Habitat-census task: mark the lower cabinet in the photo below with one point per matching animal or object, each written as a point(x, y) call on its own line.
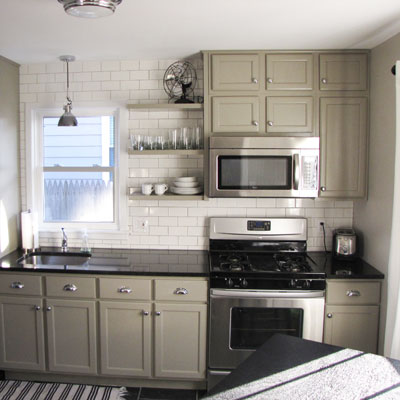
point(352, 314)
point(21, 333)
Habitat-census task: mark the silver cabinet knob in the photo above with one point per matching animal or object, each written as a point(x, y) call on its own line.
point(254, 80)
point(353, 293)
point(70, 287)
point(323, 189)
point(269, 80)
point(324, 80)
point(145, 312)
point(181, 291)
point(48, 308)
point(255, 123)
point(329, 315)
point(38, 308)
point(124, 289)
point(158, 312)
point(270, 123)
point(17, 285)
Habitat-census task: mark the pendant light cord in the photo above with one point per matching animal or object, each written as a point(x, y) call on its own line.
point(68, 99)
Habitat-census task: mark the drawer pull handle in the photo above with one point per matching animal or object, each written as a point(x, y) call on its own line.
point(17, 285)
point(353, 293)
point(329, 315)
point(270, 123)
point(324, 80)
point(254, 80)
point(269, 80)
point(181, 291)
point(145, 312)
point(255, 123)
point(158, 313)
point(38, 308)
point(48, 308)
point(70, 288)
point(124, 289)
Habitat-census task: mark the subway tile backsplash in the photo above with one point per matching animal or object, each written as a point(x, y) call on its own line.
point(169, 224)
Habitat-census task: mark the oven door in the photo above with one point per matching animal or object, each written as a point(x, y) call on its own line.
point(263, 173)
point(241, 321)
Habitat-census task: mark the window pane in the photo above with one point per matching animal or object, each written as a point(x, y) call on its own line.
point(90, 143)
point(78, 196)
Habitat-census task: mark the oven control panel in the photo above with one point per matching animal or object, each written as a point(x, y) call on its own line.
point(258, 225)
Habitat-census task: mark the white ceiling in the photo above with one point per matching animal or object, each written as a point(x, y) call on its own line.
point(33, 31)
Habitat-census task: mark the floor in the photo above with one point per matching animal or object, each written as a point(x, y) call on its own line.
point(162, 394)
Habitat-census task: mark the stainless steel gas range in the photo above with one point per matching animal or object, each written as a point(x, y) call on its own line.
point(262, 281)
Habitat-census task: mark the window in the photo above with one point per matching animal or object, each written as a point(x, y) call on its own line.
point(75, 170)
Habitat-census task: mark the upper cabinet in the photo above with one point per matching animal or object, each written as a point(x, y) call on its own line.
point(343, 71)
point(235, 72)
point(289, 71)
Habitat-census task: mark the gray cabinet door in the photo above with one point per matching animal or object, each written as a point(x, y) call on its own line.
point(343, 72)
point(125, 338)
point(289, 71)
point(235, 114)
point(21, 334)
point(343, 133)
point(71, 334)
point(235, 72)
point(355, 327)
point(289, 115)
point(180, 340)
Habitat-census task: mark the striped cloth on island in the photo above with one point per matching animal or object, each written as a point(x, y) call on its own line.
point(27, 390)
point(344, 375)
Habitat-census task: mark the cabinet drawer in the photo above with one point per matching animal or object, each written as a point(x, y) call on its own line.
point(353, 292)
point(125, 288)
point(70, 286)
point(27, 285)
point(180, 290)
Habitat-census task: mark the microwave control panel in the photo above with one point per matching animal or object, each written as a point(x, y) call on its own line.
point(309, 172)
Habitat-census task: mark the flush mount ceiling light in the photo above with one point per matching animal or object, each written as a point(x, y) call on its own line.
point(67, 119)
point(90, 8)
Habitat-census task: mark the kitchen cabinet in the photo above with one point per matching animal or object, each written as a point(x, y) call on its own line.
point(346, 71)
point(352, 314)
point(343, 147)
point(289, 71)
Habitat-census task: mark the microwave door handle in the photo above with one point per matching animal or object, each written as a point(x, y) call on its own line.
point(296, 171)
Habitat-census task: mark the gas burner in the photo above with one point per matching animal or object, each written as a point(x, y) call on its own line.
point(291, 263)
point(234, 262)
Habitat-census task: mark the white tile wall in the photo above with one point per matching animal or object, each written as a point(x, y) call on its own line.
point(171, 224)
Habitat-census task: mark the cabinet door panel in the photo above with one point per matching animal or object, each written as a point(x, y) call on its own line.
point(21, 334)
point(125, 338)
point(235, 72)
point(235, 114)
point(289, 114)
point(180, 340)
point(343, 147)
point(343, 72)
point(355, 327)
point(289, 71)
point(71, 331)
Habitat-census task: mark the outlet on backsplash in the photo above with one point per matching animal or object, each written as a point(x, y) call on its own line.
point(140, 225)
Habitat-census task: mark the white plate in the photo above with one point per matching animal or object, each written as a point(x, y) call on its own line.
point(186, 184)
point(186, 179)
point(180, 190)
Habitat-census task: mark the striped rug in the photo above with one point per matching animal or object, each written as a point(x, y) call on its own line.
point(24, 390)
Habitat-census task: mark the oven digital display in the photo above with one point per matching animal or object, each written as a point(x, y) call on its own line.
point(258, 225)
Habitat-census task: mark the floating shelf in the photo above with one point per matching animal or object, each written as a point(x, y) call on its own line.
point(165, 106)
point(166, 196)
point(166, 152)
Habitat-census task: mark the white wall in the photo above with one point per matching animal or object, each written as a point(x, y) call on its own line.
point(9, 156)
point(373, 216)
point(172, 224)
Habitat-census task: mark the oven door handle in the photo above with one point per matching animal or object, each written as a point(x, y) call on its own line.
point(291, 294)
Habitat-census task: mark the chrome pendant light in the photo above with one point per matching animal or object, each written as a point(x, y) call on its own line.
point(67, 119)
point(90, 8)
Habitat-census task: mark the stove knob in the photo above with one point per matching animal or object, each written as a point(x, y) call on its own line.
point(229, 282)
point(244, 283)
point(306, 284)
point(293, 283)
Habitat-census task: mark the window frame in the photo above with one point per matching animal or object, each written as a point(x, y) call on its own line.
point(35, 169)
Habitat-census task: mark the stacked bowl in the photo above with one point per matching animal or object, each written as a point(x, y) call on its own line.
point(187, 185)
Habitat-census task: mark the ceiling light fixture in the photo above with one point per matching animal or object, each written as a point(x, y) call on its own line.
point(67, 119)
point(90, 8)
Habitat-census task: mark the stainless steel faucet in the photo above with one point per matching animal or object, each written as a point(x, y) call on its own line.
point(64, 242)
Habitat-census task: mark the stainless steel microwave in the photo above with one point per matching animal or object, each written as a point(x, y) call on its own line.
point(263, 166)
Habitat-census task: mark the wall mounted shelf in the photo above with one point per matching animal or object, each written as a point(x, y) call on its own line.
point(166, 107)
point(166, 152)
point(166, 196)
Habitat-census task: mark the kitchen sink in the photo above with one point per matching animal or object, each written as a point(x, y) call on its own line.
point(55, 258)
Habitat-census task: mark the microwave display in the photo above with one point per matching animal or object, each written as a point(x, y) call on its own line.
point(254, 172)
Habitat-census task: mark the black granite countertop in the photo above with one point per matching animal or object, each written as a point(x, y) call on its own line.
point(345, 269)
point(122, 262)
